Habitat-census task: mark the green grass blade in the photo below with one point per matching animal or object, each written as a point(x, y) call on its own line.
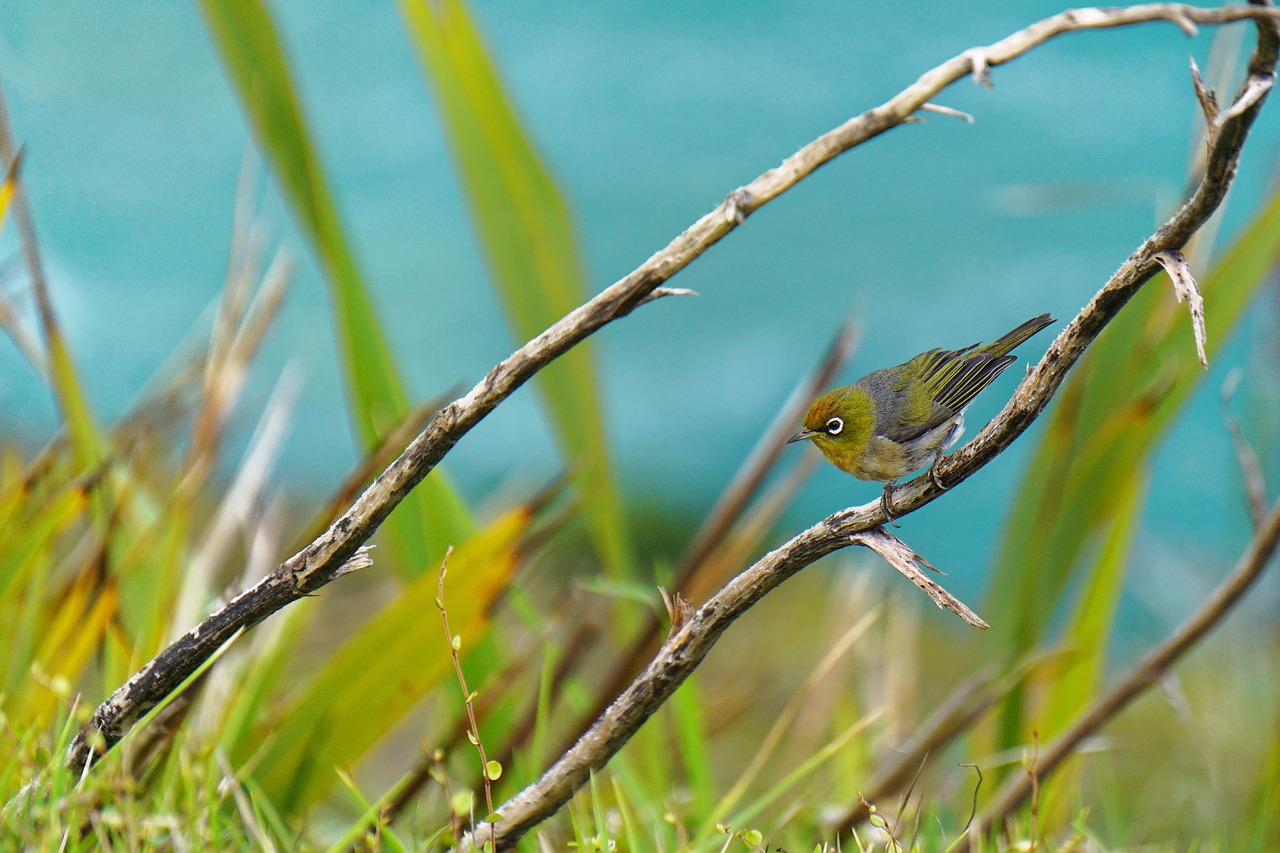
point(525, 229)
point(1111, 414)
point(87, 442)
point(690, 735)
point(253, 54)
point(1086, 638)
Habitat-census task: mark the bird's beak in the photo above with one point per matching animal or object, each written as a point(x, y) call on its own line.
point(802, 435)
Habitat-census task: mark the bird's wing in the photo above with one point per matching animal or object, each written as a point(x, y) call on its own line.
point(955, 378)
point(903, 434)
point(904, 415)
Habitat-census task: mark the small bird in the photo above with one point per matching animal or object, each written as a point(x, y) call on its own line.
point(897, 420)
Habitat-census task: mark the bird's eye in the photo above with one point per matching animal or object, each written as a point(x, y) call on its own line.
point(834, 426)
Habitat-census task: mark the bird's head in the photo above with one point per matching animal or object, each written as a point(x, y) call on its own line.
point(840, 423)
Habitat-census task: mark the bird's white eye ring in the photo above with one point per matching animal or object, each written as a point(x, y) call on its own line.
point(834, 426)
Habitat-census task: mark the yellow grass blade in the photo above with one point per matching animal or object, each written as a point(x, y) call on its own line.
point(384, 670)
point(67, 645)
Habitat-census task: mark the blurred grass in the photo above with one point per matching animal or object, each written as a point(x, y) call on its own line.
point(110, 543)
point(524, 226)
point(1083, 486)
point(434, 517)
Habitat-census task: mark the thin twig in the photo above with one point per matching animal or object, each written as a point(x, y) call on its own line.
point(973, 810)
point(948, 111)
point(900, 555)
point(455, 644)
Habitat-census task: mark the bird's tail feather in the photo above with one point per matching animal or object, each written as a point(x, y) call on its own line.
point(1008, 341)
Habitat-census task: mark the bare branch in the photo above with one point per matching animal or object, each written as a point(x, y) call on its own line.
point(899, 555)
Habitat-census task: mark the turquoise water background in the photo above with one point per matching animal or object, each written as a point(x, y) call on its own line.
point(936, 234)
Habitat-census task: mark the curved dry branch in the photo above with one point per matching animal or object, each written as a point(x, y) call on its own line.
point(1252, 564)
point(685, 648)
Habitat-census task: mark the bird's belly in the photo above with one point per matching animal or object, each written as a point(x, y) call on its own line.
point(885, 459)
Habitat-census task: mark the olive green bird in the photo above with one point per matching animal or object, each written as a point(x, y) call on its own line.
point(899, 419)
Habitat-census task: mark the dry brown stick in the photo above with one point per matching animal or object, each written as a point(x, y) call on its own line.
point(686, 648)
point(1148, 672)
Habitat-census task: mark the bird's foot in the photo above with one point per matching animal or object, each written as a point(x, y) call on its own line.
point(886, 504)
point(933, 475)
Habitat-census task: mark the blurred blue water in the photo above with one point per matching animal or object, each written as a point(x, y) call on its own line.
point(649, 114)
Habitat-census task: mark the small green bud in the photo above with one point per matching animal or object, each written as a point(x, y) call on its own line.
point(493, 770)
point(753, 837)
point(461, 802)
point(456, 642)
